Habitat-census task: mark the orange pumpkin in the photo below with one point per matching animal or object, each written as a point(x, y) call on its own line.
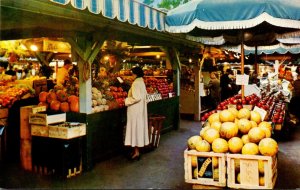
point(51, 96)
point(43, 96)
point(73, 98)
point(64, 107)
point(74, 105)
point(55, 105)
point(62, 95)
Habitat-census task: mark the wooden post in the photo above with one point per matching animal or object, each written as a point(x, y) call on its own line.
point(242, 63)
point(197, 106)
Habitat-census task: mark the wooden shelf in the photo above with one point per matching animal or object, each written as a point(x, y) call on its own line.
point(157, 76)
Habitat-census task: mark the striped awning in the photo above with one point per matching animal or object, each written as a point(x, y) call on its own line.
point(129, 11)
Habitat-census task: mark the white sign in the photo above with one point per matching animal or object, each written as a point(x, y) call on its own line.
point(120, 80)
point(251, 89)
point(242, 79)
point(261, 112)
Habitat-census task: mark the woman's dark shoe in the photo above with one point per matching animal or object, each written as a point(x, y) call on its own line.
point(135, 158)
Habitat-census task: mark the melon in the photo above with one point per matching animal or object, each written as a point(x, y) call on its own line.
point(213, 117)
point(265, 124)
point(244, 125)
point(216, 125)
point(261, 181)
point(255, 116)
point(216, 174)
point(261, 168)
point(256, 134)
point(267, 131)
point(195, 173)
point(238, 178)
point(268, 147)
point(250, 148)
point(245, 139)
point(220, 145)
point(194, 161)
point(203, 130)
point(192, 141)
point(229, 130)
point(210, 135)
point(234, 111)
point(215, 162)
point(226, 116)
point(244, 113)
point(253, 124)
point(235, 145)
point(203, 146)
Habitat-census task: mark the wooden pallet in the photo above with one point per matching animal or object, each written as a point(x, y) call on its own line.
point(248, 167)
point(197, 164)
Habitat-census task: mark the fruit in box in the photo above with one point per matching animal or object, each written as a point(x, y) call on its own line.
point(226, 116)
point(55, 105)
point(256, 134)
point(250, 149)
point(268, 147)
point(244, 125)
point(244, 113)
point(235, 145)
point(43, 96)
point(203, 146)
point(211, 134)
point(51, 96)
point(192, 141)
point(64, 107)
point(220, 145)
point(228, 130)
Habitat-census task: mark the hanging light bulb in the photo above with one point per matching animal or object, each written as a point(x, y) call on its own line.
point(33, 47)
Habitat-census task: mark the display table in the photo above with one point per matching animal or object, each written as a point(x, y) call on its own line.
point(105, 129)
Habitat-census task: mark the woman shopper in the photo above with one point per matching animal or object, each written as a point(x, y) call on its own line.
point(137, 134)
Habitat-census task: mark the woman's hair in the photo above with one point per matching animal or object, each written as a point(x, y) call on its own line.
point(138, 71)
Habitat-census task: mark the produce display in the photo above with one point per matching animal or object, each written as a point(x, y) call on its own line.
point(235, 132)
point(58, 100)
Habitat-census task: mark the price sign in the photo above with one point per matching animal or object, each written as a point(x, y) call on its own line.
point(120, 80)
point(242, 79)
point(261, 112)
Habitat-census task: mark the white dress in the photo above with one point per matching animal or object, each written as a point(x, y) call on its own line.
point(137, 118)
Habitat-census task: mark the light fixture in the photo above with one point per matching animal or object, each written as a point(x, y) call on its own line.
point(190, 60)
point(106, 58)
point(33, 48)
point(157, 56)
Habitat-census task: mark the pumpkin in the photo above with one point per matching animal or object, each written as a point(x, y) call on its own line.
point(244, 125)
point(74, 106)
point(64, 107)
point(61, 95)
point(265, 124)
point(245, 139)
point(250, 148)
point(216, 125)
point(255, 116)
point(220, 145)
point(55, 105)
point(51, 96)
point(229, 130)
point(192, 141)
point(268, 147)
point(244, 113)
point(43, 96)
point(73, 98)
point(210, 135)
point(235, 145)
point(256, 134)
point(203, 146)
point(226, 116)
point(213, 117)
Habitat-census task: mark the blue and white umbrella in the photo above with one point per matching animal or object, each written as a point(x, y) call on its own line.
point(252, 22)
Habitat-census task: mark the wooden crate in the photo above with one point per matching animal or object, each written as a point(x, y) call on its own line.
point(63, 132)
point(40, 130)
point(3, 112)
point(248, 167)
point(45, 119)
point(39, 86)
point(202, 163)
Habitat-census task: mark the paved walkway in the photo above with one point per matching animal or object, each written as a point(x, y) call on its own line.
point(159, 169)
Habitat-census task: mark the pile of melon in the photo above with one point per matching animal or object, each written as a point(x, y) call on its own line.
point(235, 131)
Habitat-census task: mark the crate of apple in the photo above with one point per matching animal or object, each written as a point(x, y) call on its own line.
point(237, 102)
point(278, 113)
point(119, 95)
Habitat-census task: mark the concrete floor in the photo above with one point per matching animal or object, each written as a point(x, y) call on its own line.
point(159, 169)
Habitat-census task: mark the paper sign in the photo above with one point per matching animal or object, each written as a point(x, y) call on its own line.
point(242, 79)
point(261, 112)
point(252, 89)
point(120, 80)
point(201, 89)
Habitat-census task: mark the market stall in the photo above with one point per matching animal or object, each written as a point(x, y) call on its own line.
point(86, 31)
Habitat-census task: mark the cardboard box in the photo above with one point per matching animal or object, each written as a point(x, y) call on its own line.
point(198, 164)
point(67, 130)
point(44, 119)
